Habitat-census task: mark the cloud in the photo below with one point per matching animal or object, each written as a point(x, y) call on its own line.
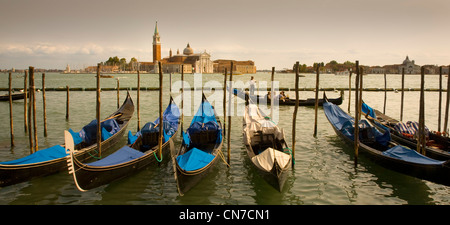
point(46, 49)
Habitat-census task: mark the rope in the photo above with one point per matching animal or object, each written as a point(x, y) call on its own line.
point(223, 157)
point(290, 152)
point(93, 156)
point(156, 157)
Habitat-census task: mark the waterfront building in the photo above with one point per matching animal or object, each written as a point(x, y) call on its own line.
point(193, 62)
point(409, 66)
point(238, 66)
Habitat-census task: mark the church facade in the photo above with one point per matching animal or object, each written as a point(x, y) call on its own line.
point(409, 66)
point(188, 61)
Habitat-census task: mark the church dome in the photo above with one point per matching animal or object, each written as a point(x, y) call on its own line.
point(188, 50)
point(406, 61)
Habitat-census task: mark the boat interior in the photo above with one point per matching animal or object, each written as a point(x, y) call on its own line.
point(205, 140)
point(261, 141)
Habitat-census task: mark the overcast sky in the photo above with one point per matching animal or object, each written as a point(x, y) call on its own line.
point(54, 33)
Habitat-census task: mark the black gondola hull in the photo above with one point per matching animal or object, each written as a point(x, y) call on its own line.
point(189, 179)
point(88, 177)
point(291, 102)
point(14, 174)
point(435, 173)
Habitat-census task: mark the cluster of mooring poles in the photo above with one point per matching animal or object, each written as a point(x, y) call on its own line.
point(30, 105)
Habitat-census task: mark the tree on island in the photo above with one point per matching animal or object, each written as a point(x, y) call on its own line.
point(122, 63)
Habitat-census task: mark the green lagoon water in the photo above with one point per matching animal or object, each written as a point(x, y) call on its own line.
point(324, 173)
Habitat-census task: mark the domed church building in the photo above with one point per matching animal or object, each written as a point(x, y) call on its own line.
point(196, 62)
point(409, 66)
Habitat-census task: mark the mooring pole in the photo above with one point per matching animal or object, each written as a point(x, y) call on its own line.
point(33, 90)
point(25, 102)
point(440, 99)
point(225, 101)
point(118, 92)
point(421, 136)
point(317, 100)
point(356, 125)
point(447, 103)
point(272, 91)
point(67, 102)
point(138, 100)
point(349, 88)
point(10, 109)
point(403, 94)
point(182, 97)
point(229, 116)
point(161, 122)
point(30, 107)
point(294, 120)
point(99, 130)
point(44, 104)
point(385, 93)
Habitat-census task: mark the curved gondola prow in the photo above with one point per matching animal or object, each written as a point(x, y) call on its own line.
point(325, 98)
point(70, 149)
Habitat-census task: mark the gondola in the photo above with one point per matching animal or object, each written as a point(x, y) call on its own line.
point(14, 96)
point(266, 146)
point(288, 101)
point(52, 160)
point(141, 152)
point(438, 147)
point(200, 147)
point(378, 147)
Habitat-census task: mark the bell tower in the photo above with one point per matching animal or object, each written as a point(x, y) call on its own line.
point(156, 45)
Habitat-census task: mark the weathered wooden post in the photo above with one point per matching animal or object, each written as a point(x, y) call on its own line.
point(272, 91)
point(385, 93)
point(161, 122)
point(403, 94)
point(99, 129)
point(225, 101)
point(25, 100)
point(349, 88)
point(118, 92)
point(30, 107)
point(11, 110)
point(138, 100)
point(44, 105)
point(447, 103)
point(294, 120)
point(33, 91)
point(67, 102)
point(421, 131)
point(356, 125)
point(182, 97)
point(440, 99)
point(317, 100)
point(229, 116)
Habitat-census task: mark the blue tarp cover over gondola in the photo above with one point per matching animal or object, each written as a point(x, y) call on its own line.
point(204, 119)
point(344, 122)
point(122, 155)
point(409, 155)
point(194, 159)
point(171, 117)
point(88, 133)
point(47, 154)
